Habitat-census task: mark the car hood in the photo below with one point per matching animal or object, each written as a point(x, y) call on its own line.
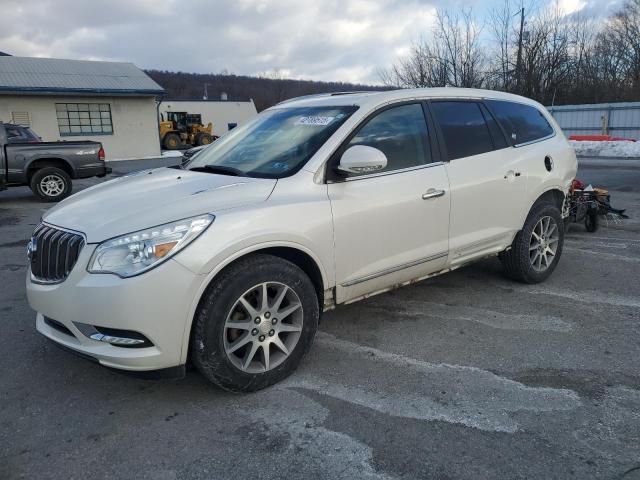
point(153, 197)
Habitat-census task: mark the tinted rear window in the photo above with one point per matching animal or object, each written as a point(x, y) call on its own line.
point(19, 134)
point(499, 141)
point(522, 123)
point(463, 127)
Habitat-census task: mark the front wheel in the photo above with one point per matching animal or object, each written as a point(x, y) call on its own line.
point(536, 250)
point(254, 324)
point(203, 139)
point(51, 184)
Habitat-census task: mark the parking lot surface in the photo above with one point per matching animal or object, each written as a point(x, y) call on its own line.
point(467, 375)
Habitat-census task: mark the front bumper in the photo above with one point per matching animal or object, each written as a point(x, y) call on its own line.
point(156, 304)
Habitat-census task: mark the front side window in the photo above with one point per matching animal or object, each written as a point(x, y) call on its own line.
point(276, 144)
point(400, 133)
point(84, 119)
point(523, 123)
point(463, 127)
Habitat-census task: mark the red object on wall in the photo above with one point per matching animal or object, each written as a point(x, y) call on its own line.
point(600, 138)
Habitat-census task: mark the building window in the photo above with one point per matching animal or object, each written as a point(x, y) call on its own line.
point(84, 119)
point(21, 118)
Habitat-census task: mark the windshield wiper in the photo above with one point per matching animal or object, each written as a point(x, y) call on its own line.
point(221, 169)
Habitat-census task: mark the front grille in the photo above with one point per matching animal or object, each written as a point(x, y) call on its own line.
point(53, 253)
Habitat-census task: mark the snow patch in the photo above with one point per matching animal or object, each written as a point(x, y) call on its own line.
point(170, 153)
point(622, 149)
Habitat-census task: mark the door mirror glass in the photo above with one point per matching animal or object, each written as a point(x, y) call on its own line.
point(361, 159)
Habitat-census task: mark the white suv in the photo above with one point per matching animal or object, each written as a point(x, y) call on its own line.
point(230, 259)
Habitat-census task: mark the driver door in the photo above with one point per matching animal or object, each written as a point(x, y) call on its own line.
point(392, 226)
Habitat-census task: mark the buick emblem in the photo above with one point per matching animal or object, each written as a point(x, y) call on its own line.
point(32, 248)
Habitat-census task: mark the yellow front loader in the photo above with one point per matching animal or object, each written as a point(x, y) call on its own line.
point(183, 129)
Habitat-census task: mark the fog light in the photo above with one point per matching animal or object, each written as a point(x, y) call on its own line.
point(114, 336)
point(116, 340)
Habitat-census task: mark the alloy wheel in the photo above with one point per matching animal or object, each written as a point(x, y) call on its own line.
point(263, 327)
point(52, 185)
point(543, 244)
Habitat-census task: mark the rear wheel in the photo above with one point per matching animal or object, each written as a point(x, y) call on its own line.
point(591, 221)
point(51, 184)
point(254, 324)
point(171, 141)
point(536, 250)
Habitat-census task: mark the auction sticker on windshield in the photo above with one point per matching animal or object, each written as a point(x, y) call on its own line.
point(315, 120)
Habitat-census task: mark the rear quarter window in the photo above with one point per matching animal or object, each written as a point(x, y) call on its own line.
point(522, 123)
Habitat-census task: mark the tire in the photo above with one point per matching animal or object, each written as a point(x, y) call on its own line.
point(223, 354)
point(171, 141)
point(203, 139)
point(524, 264)
point(51, 184)
point(591, 221)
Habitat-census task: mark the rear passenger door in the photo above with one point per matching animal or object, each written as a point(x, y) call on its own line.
point(530, 134)
point(486, 182)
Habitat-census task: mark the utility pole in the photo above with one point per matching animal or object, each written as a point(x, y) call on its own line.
point(519, 61)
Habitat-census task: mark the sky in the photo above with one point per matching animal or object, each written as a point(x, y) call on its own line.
point(331, 40)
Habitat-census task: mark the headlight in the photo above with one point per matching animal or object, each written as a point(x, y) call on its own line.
point(140, 251)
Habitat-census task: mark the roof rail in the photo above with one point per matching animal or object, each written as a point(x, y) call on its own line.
point(303, 96)
point(352, 92)
point(328, 94)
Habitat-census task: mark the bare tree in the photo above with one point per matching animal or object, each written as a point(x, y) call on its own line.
point(623, 34)
point(501, 73)
point(564, 57)
point(451, 56)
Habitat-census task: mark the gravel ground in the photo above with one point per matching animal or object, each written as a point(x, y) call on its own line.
point(467, 375)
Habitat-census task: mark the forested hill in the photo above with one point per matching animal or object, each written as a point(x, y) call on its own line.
point(264, 91)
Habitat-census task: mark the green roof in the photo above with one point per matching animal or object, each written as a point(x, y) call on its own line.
point(28, 75)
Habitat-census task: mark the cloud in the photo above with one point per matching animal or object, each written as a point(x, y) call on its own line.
point(326, 40)
point(344, 40)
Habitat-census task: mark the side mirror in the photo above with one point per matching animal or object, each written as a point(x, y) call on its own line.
point(362, 159)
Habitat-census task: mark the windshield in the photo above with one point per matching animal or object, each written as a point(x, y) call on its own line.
point(275, 144)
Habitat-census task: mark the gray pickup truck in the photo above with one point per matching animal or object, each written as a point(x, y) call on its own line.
point(46, 167)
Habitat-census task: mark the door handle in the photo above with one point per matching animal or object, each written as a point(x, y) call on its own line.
point(432, 193)
point(511, 173)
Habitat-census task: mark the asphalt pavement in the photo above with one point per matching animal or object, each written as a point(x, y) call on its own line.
point(463, 376)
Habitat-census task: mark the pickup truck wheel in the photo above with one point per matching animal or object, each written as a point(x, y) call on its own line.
point(536, 250)
point(254, 324)
point(51, 184)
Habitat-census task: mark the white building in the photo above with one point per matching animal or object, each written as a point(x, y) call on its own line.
point(223, 114)
point(112, 103)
